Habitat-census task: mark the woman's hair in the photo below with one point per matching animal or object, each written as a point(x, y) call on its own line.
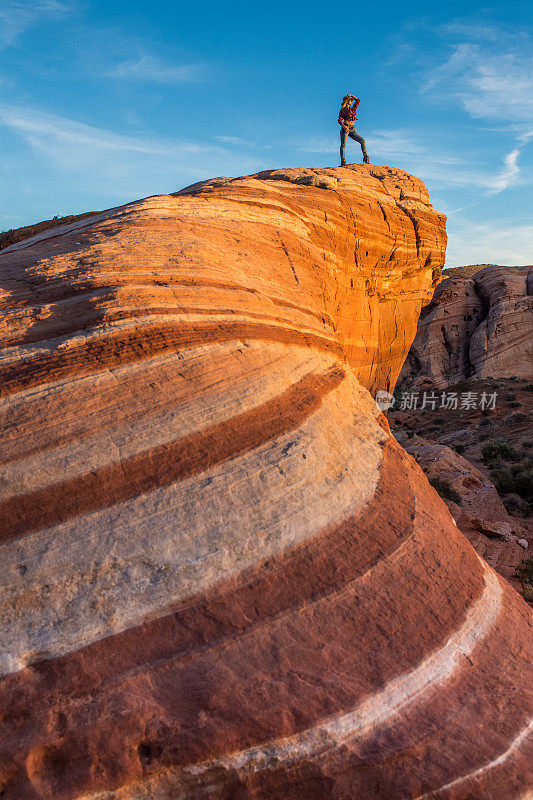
point(346, 100)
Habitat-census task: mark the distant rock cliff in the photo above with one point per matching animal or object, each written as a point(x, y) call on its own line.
point(221, 576)
point(476, 326)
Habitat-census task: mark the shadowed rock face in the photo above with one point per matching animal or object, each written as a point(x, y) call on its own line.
point(222, 577)
point(476, 326)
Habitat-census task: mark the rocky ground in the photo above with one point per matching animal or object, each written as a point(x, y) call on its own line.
point(474, 339)
point(449, 444)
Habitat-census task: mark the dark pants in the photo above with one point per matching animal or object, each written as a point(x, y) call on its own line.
point(355, 136)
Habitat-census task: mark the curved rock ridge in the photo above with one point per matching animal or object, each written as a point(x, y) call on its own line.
point(338, 257)
point(221, 576)
point(476, 326)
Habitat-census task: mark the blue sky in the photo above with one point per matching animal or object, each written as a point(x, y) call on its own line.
point(105, 102)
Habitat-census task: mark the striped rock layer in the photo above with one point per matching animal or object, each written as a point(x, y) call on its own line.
point(221, 576)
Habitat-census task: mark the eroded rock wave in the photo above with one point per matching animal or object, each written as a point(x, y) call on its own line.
point(221, 575)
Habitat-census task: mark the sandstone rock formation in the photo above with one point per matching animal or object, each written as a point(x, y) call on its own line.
point(15, 235)
point(476, 326)
point(221, 576)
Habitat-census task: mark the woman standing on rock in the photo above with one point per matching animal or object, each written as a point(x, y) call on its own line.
point(347, 115)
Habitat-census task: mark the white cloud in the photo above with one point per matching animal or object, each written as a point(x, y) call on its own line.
point(510, 171)
point(394, 142)
point(16, 16)
point(473, 30)
point(56, 136)
point(491, 77)
point(489, 72)
point(316, 144)
point(119, 164)
point(406, 148)
point(490, 85)
point(229, 139)
point(382, 143)
point(503, 242)
point(150, 68)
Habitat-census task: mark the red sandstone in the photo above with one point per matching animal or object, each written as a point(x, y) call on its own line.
point(223, 578)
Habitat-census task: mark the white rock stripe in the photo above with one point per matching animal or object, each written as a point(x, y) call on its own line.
point(93, 576)
point(513, 747)
point(63, 344)
point(391, 700)
point(379, 710)
point(122, 441)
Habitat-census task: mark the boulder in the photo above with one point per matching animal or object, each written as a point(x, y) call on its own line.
point(476, 326)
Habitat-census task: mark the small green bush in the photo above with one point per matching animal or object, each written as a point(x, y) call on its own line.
point(516, 478)
point(502, 478)
point(516, 506)
point(527, 592)
point(459, 448)
point(523, 476)
point(446, 490)
point(484, 421)
point(524, 570)
point(518, 418)
point(497, 450)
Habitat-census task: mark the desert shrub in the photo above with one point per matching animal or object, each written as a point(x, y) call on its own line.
point(523, 477)
point(529, 387)
point(502, 479)
point(515, 404)
point(459, 448)
point(446, 490)
point(498, 450)
point(524, 570)
point(485, 421)
point(516, 478)
point(516, 506)
point(518, 418)
point(510, 396)
point(527, 592)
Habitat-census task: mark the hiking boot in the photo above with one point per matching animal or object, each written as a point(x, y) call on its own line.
point(366, 160)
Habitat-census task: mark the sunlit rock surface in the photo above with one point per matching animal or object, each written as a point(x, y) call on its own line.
point(221, 576)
